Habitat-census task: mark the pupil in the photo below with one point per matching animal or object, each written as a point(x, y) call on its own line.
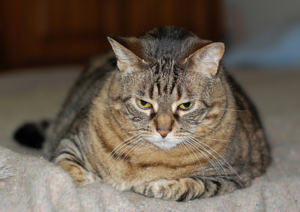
point(186, 104)
point(143, 102)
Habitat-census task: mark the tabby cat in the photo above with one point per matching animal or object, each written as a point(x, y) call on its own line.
point(160, 117)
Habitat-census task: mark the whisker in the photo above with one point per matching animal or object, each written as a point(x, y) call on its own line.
point(197, 159)
point(133, 131)
point(207, 158)
point(118, 147)
point(140, 142)
point(136, 143)
point(146, 144)
point(123, 151)
point(123, 146)
point(137, 140)
point(183, 145)
point(219, 165)
point(212, 139)
point(232, 110)
point(208, 127)
point(229, 166)
point(133, 143)
point(216, 159)
point(118, 131)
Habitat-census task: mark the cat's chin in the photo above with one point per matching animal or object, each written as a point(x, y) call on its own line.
point(164, 143)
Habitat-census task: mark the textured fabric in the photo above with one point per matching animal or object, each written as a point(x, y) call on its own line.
point(29, 183)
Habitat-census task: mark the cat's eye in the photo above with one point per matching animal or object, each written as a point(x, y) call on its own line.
point(143, 104)
point(186, 106)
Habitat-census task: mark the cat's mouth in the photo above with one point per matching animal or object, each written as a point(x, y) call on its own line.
point(164, 143)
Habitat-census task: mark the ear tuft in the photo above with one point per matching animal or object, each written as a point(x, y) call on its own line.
point(208, 57)
point(126, 59)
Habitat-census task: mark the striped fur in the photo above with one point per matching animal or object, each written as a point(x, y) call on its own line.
point(101, 134)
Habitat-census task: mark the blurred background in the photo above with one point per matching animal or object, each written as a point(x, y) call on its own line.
point(39, 33)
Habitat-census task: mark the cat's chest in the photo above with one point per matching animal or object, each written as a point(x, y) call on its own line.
point(134, 169)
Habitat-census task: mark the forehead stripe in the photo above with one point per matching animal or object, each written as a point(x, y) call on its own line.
point(175, 77)
point(179, 93)
point(151, 90)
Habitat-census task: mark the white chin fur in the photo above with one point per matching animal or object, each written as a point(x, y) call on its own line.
point(166, 143)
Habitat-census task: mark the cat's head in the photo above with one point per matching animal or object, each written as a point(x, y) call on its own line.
point(169, 83)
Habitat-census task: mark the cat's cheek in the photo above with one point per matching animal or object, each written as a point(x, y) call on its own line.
point(181, 113)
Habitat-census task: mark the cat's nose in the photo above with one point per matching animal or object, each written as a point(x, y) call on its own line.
point(163, 133)
point(164, 124)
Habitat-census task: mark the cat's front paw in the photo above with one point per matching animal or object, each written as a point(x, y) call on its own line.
point(91, 178)
point(179, 190)
point(80, 176)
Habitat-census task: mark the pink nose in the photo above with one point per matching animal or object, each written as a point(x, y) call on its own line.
point(163, 133)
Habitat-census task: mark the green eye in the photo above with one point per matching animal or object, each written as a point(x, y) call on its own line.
point(143, 104)
point(186, 106)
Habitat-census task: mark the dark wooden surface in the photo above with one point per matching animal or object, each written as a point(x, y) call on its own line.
point(48, 32)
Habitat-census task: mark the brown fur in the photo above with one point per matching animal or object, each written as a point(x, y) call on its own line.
point(101, 134)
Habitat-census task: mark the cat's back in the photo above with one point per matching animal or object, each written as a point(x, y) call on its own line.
point(79, 98)
point(249, 130)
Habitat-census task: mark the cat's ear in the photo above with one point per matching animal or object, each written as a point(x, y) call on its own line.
point(207, 58)
point(126, 58)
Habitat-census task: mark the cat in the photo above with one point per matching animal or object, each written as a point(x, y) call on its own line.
point(159, 116)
